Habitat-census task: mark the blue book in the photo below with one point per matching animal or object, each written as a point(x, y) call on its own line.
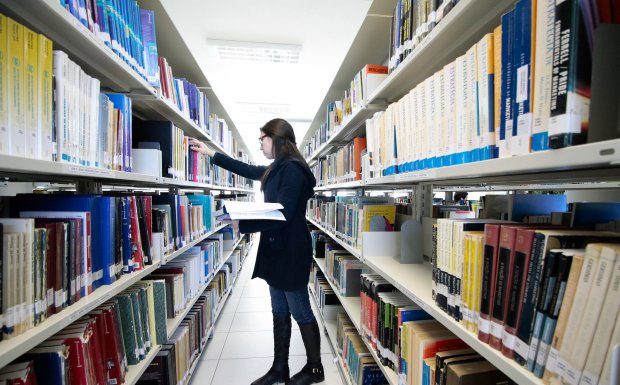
point(506, 119)
point(588, 214)
point(81, 4)
point(102, 21)
point(110, 269)
point(521, 205)
point(112, 26)
point(123, 103)
point(149, 41)
point(101, 251)
point(50, 363)
point(125, 212)
point(522, 78)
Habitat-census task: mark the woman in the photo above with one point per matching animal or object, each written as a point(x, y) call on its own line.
point(285, 248)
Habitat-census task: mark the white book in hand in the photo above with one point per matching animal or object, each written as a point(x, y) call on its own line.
point(254, 210)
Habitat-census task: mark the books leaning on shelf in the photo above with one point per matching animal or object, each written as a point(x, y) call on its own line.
point(411, 23)
point(354, 99)
point(493, 101)
point(119, 333)
point(345, 165)
point(125, 28)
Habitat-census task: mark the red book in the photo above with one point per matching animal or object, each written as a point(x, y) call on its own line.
point(81, 369)
point(89, 326)
point(491, 247)
point(89, 255)
point(136, 242)
point(114, 351)
point(521, 263)
point(147, 203)
point(21, 373)
point(183, 228)
point(503, 283)
point(359, 145)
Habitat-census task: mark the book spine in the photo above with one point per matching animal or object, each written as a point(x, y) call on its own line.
point(523, 65)
point(570, 96)
point(506, 120)
point(16, 86)
point(504, 273)
point(486, 101)
point(489, 257)
point(497, 87)
point(545, 15)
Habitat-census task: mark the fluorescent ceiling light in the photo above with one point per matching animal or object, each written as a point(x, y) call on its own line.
point(256, 51)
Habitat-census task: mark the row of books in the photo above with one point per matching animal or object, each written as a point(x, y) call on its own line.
point(473, 110)
point(172, 364)
point(412, 21)
point(99, 347)
point(359, 363)
point(125, 28)
point(60, 248)
point(341, 268)
point(192, 102)
point(417, 347)
point(363, 84)
point(345, 165)
point(348, 217)
point(522, 289)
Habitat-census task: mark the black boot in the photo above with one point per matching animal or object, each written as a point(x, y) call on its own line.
point(279, 372)
point(313, 371)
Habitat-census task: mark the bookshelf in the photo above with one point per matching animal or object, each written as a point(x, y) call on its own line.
point(590, 166)
point(352, 306)
point(135, 371)
point(13, 348)
point(193, 243)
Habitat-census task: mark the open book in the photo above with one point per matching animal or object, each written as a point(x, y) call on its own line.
point(234, 210)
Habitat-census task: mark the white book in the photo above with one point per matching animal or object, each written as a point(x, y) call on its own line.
point(95, 136)
point(605, 378)
point(591, 313)
point(442, 141)
point(450, 114)
point(486, 96)
point(473, 141)
point(422, 132)
point(462, 128)
point(45, 99)
point(431, 109)
point(9, 282)
point(590, 264)
point(604, 329)
point(24, 260)
point(417, 125)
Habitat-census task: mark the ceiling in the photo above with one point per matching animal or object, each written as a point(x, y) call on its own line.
point(253, 93)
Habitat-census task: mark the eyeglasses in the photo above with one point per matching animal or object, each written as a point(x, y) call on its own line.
point(261, 138)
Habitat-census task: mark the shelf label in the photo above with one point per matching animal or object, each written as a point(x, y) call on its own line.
point(521, 348)
point(496, 330)
point(83, 170)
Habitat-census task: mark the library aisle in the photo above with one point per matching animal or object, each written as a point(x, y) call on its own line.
point(243, 338)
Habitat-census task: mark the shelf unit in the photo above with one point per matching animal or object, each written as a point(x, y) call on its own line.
point(352, 306)
point(98, 60)
point(135, 371)
point(341, 186)
point(173, 323)
point(11, 349)
point(355, 252)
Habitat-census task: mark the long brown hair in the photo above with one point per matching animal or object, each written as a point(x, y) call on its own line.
point(284, 145)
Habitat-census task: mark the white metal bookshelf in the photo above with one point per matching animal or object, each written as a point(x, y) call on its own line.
point(100, 61)
point(341, 186)
point(357, 253)
point(352, 306)
point(173, 323)
point(10, 349)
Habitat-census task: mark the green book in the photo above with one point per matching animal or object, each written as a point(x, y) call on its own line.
point(128, 327)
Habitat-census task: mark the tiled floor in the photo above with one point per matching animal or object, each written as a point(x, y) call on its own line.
point(241, 349)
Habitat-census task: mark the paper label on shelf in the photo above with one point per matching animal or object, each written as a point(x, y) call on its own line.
point(541, 356)
point(50, 297)
point(572, 375)
point(521, 348)
point(65, 296)
point(10, 317)
point(112, 270)
point(84, 170)
point(484, 326)
point(589, 378)
point(508, 341)
point(531, 354)
point(38, 307)
point(522, 83)
point(552, 361)
point(497, 330)
point(58, 298)
point(78, 283)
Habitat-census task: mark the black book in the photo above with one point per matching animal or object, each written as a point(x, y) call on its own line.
point(144, 234)
point(160, 132)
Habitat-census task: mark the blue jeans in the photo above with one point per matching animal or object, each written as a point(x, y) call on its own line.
point(295, 302)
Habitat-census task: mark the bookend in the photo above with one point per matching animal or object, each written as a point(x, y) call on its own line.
point(410, 242)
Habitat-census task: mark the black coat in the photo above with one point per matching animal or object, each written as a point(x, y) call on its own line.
point(285, 248)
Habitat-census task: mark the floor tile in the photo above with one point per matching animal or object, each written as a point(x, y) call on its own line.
point(223, 323)
point(251, 305)
point(252, 322)
point(204, 372)
point(215, 345)
point(256, 291)
point(228, 372)
point(231, 305)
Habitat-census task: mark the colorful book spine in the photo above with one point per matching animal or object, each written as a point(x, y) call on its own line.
point(486, 98)
point(16, 86)
point(506, 122)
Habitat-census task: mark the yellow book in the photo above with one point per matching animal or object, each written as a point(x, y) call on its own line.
point(45, 97)
point(379, 217)
point(477, 242)
point(465, 283)
point(151, 308)
point(16, 87)
point(5, 138)
point(31, 108)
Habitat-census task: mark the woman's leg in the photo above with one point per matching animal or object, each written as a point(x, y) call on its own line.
point(299, 305)
point(279, 372)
